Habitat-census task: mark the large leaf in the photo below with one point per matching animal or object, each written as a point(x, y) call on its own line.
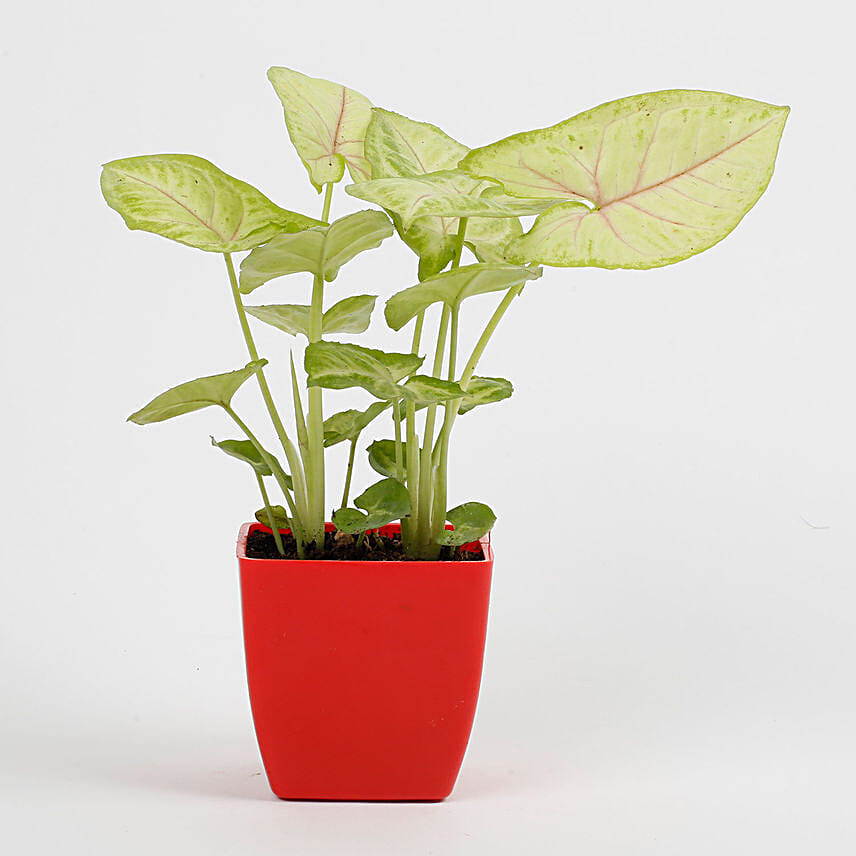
point(471, 520)
point(399, 147)
point(454, 286)
point(337, 365)
point(321, 250)
point(188, 199)
point(383, 502)
point(664, 176)
point(351, 315)
point(349, 424)
point(484, 390)
point(244, 451)
point(447, 193)
point(195, 394)
point(326, 122)
point(382, 457)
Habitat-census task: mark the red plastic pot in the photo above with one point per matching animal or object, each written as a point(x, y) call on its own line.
point(363, 676)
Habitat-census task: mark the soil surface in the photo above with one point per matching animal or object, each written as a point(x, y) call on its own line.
point(338, 546)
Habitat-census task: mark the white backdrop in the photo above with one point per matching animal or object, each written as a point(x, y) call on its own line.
point(670, 656)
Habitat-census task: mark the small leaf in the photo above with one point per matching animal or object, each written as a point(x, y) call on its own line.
point(244, 451)
point(447, 193)
point(321, 250)
point(382, 457)
point(351, 315)
point(383, 502)
point(663, 176)
point(424, 390)
point(484, 390)
point(337, 365)
point(454, 286)
point(291, 318)
point(280, 517)
point(471, 520)
point(349, 424)
point(195, 394)
point(350, 521)
point(188, 199)
point(327, 124)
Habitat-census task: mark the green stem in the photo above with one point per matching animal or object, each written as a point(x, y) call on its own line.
point(269, 511)
point(417, 332)
point(350, 471)
point(302, 437)
point(291, 454)
point(399, 454)
point(412, 469)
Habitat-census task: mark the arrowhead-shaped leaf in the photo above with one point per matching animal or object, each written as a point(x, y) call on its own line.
point(188, 199)
point(471, 520)
point(664, 175)
point(448, 193)
point(424, 390)
point(383, 502)
point(351, 315)
point(484, 390)
point(244, 451)
point(382, 457)
point(349, 424)
point(454, 286)
point(195, 394)
point(321, 250)
point(337, 365)
point(327, 124)
point(280, 517)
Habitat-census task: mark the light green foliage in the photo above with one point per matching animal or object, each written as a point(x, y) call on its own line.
point(472, 520)
point(320, 250)
point(280, 517)
point(662, 176)
point(327, 124)
point(484, 390)
point(244, 451)
point(382, 457)
point(349, 424)
point(351, 315)
point(424, 390)
point(195, 394)
point(337, 365)
point(383, 502)
point(188, 199)
point(453, 287)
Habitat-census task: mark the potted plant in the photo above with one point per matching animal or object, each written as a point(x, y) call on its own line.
point(365, 634)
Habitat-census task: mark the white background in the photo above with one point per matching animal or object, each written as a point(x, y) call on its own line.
point(670, 657)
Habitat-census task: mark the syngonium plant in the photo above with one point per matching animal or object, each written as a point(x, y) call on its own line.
point(637, 183)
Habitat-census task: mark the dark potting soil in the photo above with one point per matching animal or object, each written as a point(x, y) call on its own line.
point(338, 546)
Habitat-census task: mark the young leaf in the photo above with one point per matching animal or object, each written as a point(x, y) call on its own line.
point(484, 390)
point(383, 502)
point(350, 521)
point(664, 175)
point(244, 451)
point(280, 517)
point(471, 520)
point(351, 315)
point(290, 318)
point(447, 193)
point(336, 365)
point(349, 424)
point(321, 250)
point(327, 124)
point(382, 457)
point(454, 286)
point(188, 199)
point(195, 394)
point(424, 390)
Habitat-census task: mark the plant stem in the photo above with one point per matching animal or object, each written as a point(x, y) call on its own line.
point(291, 454)
point(350, 471)
point(412, 469)
point(302, 437)
point(417, 332)
point(269, 511)
point(399, 456)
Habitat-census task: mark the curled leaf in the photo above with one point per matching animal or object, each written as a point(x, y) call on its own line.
point(484, 390)
point(382, 457)
point(280, 517)
point(383, 502)
point(349, 424)
point(472, 520)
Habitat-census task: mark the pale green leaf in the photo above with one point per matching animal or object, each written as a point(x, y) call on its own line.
point(195, 394)
point(484, 390)
point(349, 424)
point(244, 451)
point(424, 390)
point(471, 520)
point(327, 124)
point(453, 287)
point(663, 176)
point(448, 193)
point(351, 315)
point(292, 319)
point(337, 365)
point(382, 457)
point(280, 517)
point(188, 199)
point(321, 250)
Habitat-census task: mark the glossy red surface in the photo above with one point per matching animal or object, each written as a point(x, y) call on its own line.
point(363, 676)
